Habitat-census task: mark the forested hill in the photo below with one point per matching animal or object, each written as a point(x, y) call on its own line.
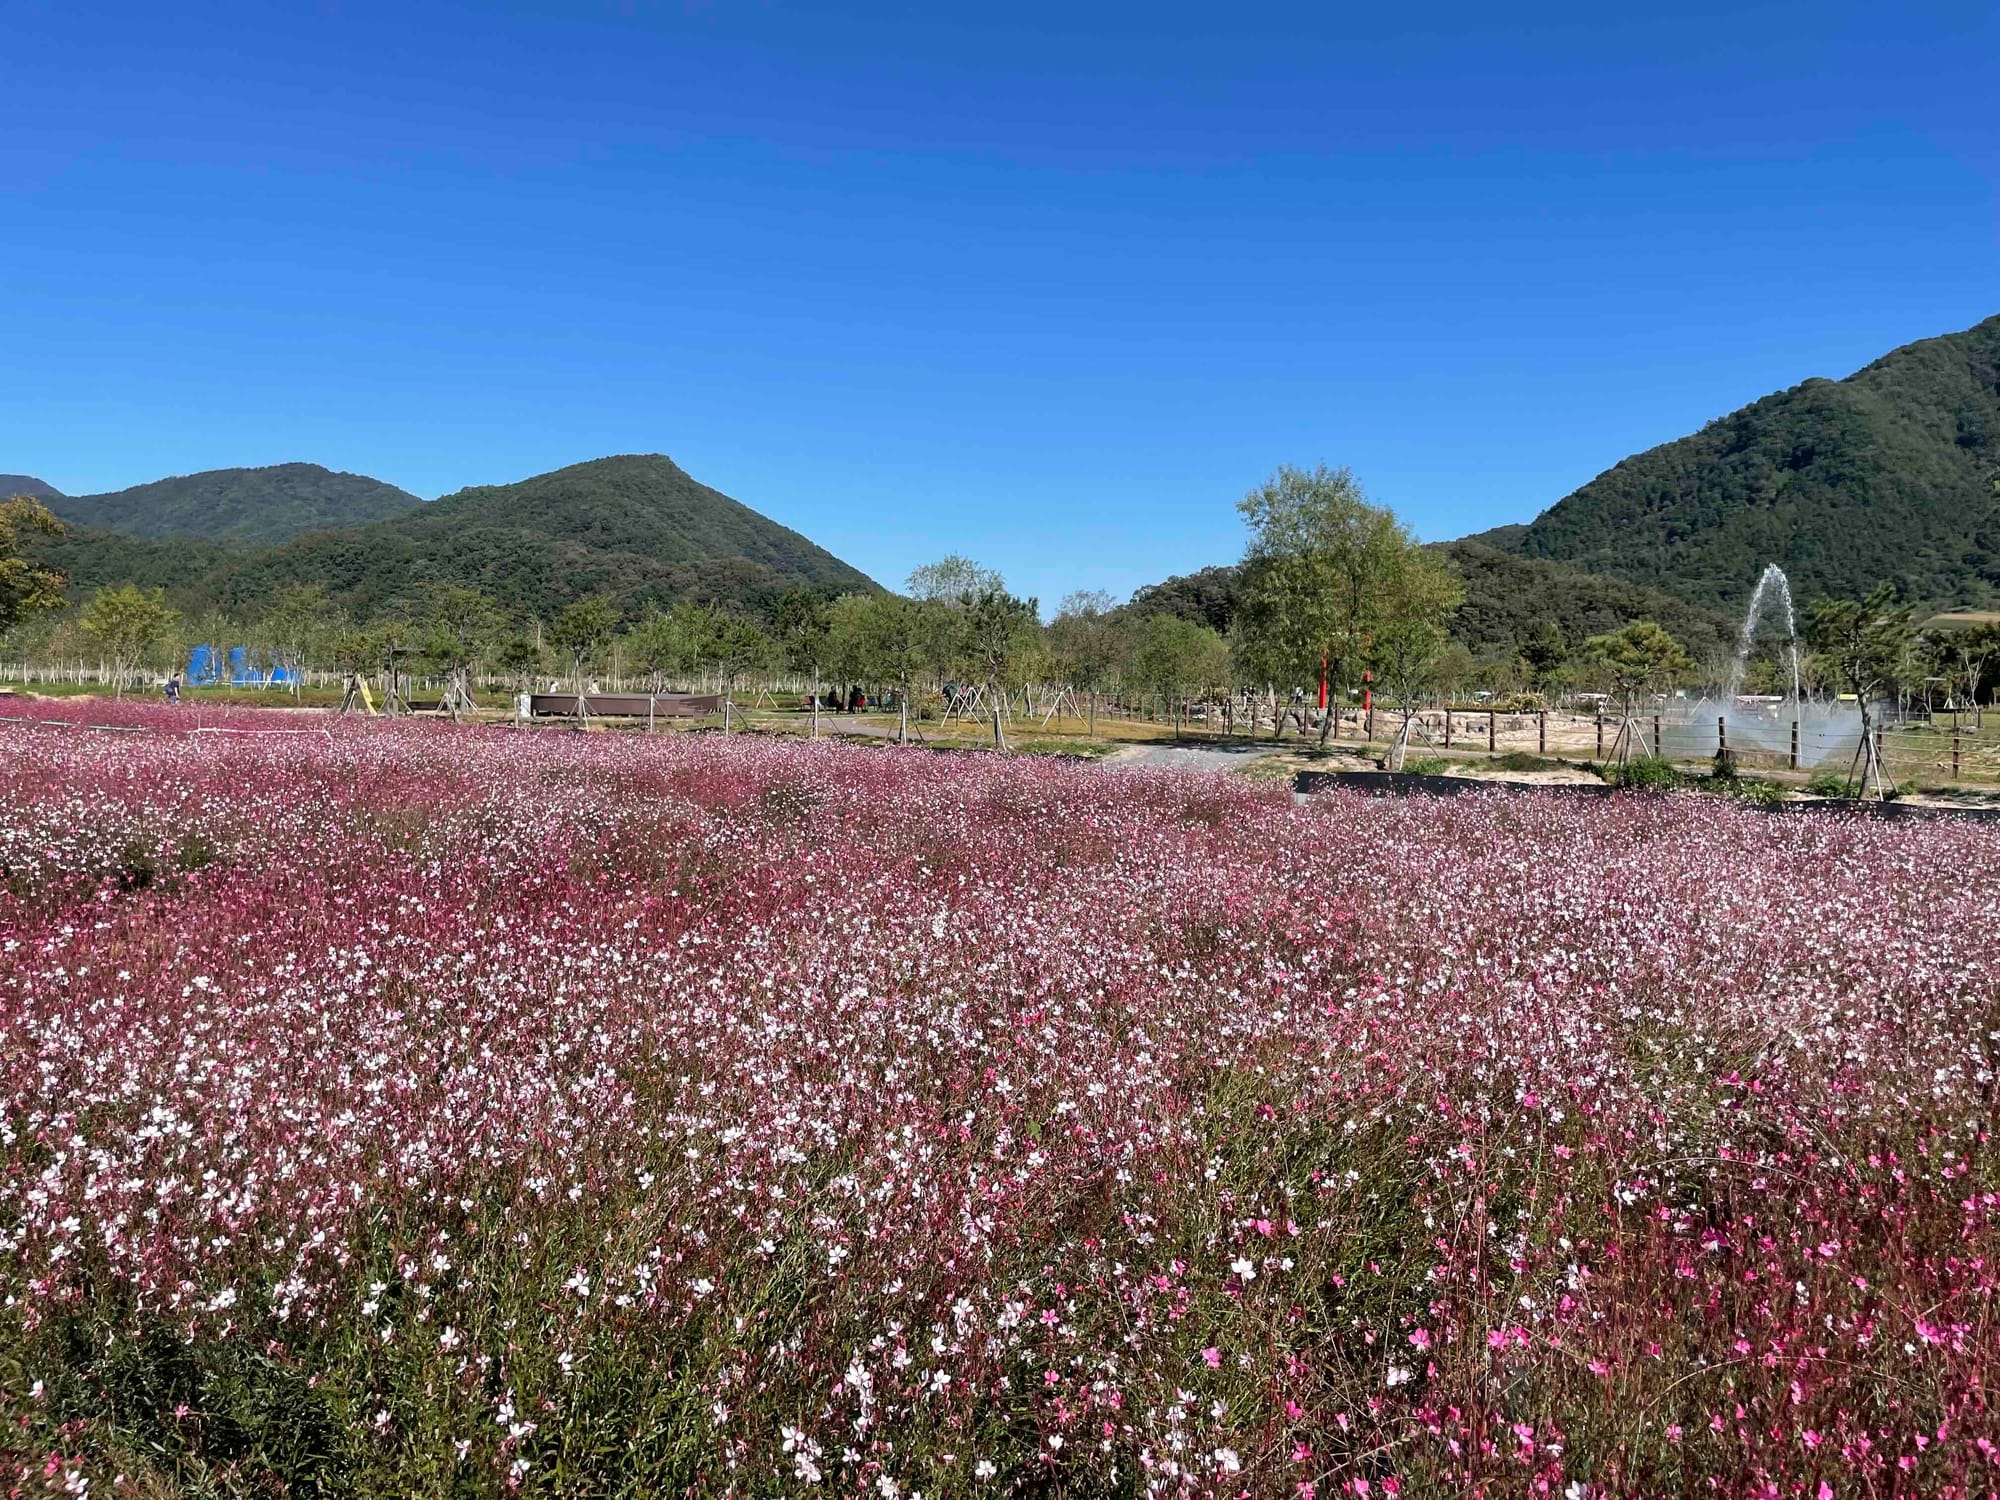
point(12, 485)
point(1508, 601)
point(1892, 474)
point(637, 528)
point(264, 505)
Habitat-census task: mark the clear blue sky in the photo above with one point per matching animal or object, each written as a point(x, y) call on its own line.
point(1049, 284)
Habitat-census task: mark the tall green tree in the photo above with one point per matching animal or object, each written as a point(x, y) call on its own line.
point(581, 633)
point(1407, 656)
point(801, 628)
point(894, 637)
point(297, 623)
point(459, 627)
point(1324, 574)
point(990, 632)
point(738, 645)
point(26, 589)
point(656, 648)
point(1545, 651)
point(124, 622)
point(1861, 644)
point(1176, 660)
point(520, 657)
point(1086, 642)
point(1639, 658)
point(1963, 657)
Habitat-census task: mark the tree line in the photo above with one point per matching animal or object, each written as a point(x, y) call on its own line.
point(1334, 599)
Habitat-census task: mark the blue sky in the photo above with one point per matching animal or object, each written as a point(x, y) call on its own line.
point(1052, 285)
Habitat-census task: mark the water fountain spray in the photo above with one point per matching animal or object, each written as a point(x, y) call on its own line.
point(1773, 578)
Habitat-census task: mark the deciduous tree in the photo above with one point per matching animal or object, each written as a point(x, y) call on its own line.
point(123, 622)
point(26, 589)
point(1861, 644)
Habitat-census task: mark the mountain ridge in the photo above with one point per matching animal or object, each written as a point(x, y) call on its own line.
point(15, 485)
point(1889, 474)
point(268, 504)
point(635, 526)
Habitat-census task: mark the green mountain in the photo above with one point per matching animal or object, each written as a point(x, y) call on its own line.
point(243, 505)
point(636, 527)
point(12, 485)
point(1892, 474)
point(1508, 599)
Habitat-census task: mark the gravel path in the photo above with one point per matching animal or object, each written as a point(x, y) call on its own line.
point(1192, 757)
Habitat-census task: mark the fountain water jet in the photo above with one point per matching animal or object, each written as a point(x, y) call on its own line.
point(1772, 577)
point(1827, 732)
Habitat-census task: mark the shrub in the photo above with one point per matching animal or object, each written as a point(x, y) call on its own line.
point(1644, 773)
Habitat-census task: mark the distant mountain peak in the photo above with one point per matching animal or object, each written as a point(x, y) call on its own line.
point(268, 504)
point(636, 527)
point(1889, 475)
point(12, 485)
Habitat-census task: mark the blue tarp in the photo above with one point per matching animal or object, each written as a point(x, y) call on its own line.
point(244, 668)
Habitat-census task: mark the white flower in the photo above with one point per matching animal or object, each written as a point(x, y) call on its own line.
point(984, 1469)
point(1227, 1460)
point(1245, 1267)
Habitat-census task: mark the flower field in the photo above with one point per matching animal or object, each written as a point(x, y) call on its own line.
point(410, 1110)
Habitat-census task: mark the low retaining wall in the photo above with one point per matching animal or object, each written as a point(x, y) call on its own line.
point(626, 705)
point(1408, 783)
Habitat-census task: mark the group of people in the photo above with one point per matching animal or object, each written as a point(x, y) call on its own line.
point(853, 701)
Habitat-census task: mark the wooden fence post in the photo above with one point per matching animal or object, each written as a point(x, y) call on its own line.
point(1657, 754)
point(1795, 744)
point(1600, 735)
point(1722, 738)
point(1954, 755)
point(1447, 726)
point(1492, 731)
point(1542, 732)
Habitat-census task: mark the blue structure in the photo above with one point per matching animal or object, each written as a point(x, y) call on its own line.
point(237, 666)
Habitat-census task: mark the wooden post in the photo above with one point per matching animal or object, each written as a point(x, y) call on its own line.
point(1492, 731)
point(1600, 734)
point(1656, 738)
point(1722, 737)
point(1371, 718)
point(1795, 745)
point(1447, 726)
point(1542, 732)
point(1954, 755)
